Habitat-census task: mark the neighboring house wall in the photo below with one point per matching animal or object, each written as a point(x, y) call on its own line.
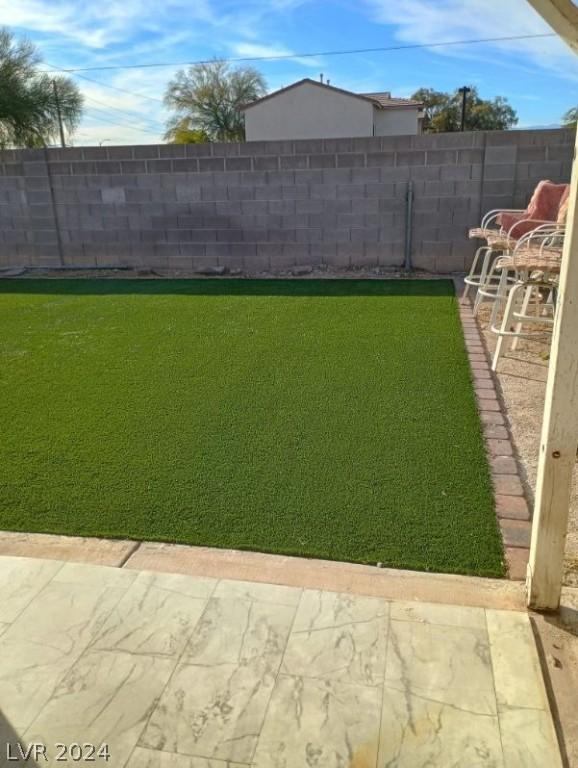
point(269, 205)
point(308, 112)
point(396, 122)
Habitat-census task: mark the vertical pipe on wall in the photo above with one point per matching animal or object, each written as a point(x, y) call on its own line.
point(408, 225)
point(55, 217)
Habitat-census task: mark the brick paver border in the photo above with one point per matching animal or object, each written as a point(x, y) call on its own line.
point(511, 504)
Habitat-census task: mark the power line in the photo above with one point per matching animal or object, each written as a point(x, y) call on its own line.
point(106, 85)
point(282, 57)
point(116, 88)
point(124, 113)
point(123, 125)
point(75, 72)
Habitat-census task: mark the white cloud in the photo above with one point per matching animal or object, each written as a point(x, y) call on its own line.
point(72, 33)
point(77, 33)
point(59, 18)
point(96, 25)
point(433, 21)
point(123, 116)
point(428, 22)
point(258, 50)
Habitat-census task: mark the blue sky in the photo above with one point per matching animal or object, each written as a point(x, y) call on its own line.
point(539, 77)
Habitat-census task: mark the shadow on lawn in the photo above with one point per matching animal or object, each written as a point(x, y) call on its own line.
point(226, 287)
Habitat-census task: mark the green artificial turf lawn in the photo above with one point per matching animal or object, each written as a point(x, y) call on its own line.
point(331, 419)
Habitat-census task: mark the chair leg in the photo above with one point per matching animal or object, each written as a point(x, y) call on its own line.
point(523, 311)
point(485, 279)
point(501, 294)
point(506, 323)
point(487, 266)
point(477, 303)
point(472, 272)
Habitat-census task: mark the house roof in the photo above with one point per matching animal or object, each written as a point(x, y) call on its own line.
point(385, 100)
point(381, 100)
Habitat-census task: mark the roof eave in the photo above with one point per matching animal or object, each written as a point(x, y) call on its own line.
point(304, 80)
point(399, 106)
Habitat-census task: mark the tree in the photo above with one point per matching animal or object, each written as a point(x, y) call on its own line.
point(208, 98)
point(443, 111)
point(435, 105)
point(30, 100)
point(181, 133)
point(570, 118)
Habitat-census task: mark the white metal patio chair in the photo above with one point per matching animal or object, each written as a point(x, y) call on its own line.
point(501, 229)
point(531, 301)
point(500, 277)
point(489, 230)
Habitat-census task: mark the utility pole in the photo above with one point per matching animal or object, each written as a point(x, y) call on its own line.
point(58, 113)
point(464, 91)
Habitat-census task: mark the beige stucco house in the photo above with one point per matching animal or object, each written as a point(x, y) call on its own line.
point(310, 110)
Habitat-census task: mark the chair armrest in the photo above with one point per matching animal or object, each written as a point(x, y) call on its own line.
point(542, 235)
point(490, 215)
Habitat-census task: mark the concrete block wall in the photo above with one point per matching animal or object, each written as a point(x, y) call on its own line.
point(268, 205)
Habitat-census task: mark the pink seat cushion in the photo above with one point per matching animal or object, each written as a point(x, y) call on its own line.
point(543, 206)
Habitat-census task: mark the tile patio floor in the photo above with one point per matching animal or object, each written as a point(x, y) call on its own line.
point(174, 671)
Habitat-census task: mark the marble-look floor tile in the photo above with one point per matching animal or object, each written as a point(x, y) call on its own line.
point(238, 631)
point(338, 637)
point(95, 575)
point(437, 613)
point(150, 758)
point(417, 732)
point(44, 642)
point(104, 698)
point(517, 672)
point(216, 700)
point(3, 628)
point(448, 664)
point(255, 590)
point(325, 723)
point(156, 615)
point(21, 579)
point(212, 711)
point(529, 739)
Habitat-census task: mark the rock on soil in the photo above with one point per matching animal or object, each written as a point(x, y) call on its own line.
point(212, 271)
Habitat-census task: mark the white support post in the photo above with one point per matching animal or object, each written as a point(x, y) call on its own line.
point(559, 431)
point(562, 16)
